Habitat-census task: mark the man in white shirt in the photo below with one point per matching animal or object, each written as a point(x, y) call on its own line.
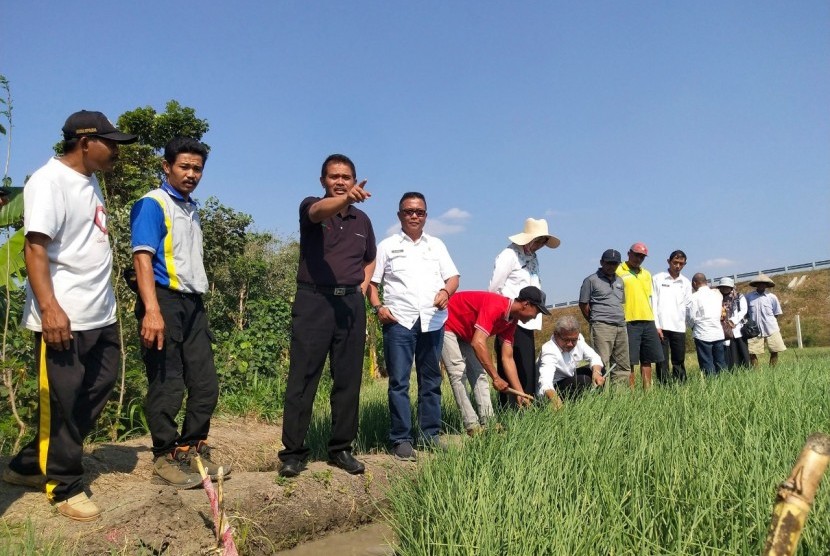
point(558, 361)
point(672, 294)
point(70, 305)
point(764, 307)
point(418, 278)
point(704, 316)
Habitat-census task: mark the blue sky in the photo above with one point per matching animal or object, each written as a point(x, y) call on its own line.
point(703, 126)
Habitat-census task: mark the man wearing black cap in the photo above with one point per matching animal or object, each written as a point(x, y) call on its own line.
point(70, 305)
point(473, 317)
point(601, 300)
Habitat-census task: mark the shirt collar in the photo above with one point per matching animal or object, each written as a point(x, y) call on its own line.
point(404, 237)
point(167, 188)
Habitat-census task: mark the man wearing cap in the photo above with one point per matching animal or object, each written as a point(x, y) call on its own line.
point(473, 317)
point(175, 336)
point(704, 317)
point(601, 300)
point(70, 305)
point(559, 372)
point(643, 342)
point(517, 267)
point(732, 317)
point(764, 307)
point(328, 318)
point(672, 294)
point(418, 278)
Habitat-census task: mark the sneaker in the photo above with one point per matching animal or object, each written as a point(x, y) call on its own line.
point(434, 444)
point(32, 481)
point(211, 465)
point(79, 508)
point(174, 469)
point(404, 451)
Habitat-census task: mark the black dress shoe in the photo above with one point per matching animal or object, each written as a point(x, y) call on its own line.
point(291, 468)
point(345, 461)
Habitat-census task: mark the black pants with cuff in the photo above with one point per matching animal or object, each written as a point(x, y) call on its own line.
point(322, 325)
point(676, 343)
point(524, 356)
point(74, 387)
point(184, 364)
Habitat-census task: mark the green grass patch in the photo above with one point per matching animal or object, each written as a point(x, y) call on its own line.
point(689, 469)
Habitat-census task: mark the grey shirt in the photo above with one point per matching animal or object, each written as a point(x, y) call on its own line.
point(605, 296)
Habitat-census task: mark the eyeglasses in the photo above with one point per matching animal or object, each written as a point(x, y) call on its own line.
point(420, 213)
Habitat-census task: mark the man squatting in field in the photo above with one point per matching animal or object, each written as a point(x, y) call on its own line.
point(418, 278)
point(558, 363)
point(328, 318)
point(70, 305)
point(473, 317)
point(175, 337)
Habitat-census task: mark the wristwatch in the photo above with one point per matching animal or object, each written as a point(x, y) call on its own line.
point(376, 308)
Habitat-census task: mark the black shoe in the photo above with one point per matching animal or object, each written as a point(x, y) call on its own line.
point(291, 468)
point(345, 461)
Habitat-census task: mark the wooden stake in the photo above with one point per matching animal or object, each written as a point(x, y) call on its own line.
point(520, 394)
point(795, 497)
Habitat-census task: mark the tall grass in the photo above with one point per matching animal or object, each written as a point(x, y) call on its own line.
point(681, 470)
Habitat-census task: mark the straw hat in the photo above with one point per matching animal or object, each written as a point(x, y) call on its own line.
point(763, 279)
point(533, 229)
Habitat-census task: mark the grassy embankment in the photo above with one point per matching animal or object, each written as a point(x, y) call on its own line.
point(680, 470)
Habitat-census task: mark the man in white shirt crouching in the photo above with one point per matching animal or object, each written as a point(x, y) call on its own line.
point(558, 360)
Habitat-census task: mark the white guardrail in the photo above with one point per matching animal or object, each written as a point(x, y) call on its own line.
point(809, 267)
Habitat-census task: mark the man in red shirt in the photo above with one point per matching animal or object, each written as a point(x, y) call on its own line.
point(474, 317)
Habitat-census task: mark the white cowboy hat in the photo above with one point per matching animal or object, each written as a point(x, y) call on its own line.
point(726, 282)
point(533, 229)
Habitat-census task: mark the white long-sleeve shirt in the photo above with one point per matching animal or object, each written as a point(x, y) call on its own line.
point(703, 315)
point(555, 364)
point(670, 299)
point(514, 269)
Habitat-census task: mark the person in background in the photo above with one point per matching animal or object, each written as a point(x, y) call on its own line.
point(516, 267)
point(601, 301)
point(418, 278)
point(643, 342)
point(672, 294)
point(703, 316)
point(764, 307)
point(732, 317)
point(558, 362)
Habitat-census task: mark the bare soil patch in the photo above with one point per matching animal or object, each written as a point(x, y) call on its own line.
point(140, 516)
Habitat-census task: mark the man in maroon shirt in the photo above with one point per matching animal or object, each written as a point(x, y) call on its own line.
point(474, 317)
point(337, 258)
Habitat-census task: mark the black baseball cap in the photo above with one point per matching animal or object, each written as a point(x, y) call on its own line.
point(534, 296)
point(611, 256)
point(93, 124)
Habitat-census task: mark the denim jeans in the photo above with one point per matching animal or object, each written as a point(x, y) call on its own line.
point(460, 361)
point(710, 356)
point(400, 346)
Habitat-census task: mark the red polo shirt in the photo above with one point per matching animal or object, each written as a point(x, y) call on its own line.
point(489, 312)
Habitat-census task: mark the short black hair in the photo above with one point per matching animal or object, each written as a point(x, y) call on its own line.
point(179, 145)
point(678, 253)
point(412, 195)
point(337, 158)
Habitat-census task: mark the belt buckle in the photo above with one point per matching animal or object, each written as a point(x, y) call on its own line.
point(339, 291)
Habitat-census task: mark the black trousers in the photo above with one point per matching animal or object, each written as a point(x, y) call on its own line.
point(524, 355)
point(324, 325)
point(571, 387)
point(676, 343)
point(185, 363)
point(737, 353)
point(74, 387)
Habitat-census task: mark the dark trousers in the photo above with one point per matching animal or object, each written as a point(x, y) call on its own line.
point(401, 346)
point(737, 353)
point(710, 356)
point(74, 387)
point(572, 386)
point(524, 355)
point(185, 363)
point(676, 343)
point(324, 325)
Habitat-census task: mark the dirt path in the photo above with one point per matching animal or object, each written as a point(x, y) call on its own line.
point(269, 515)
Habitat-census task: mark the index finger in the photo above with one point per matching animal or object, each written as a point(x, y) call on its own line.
point(362, 184)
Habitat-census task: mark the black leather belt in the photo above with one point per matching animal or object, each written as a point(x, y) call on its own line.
point(329, 290)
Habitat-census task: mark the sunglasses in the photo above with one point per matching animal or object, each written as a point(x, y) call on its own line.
point(420, 213)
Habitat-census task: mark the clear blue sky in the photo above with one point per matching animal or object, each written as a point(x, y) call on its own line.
point(696, 125)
